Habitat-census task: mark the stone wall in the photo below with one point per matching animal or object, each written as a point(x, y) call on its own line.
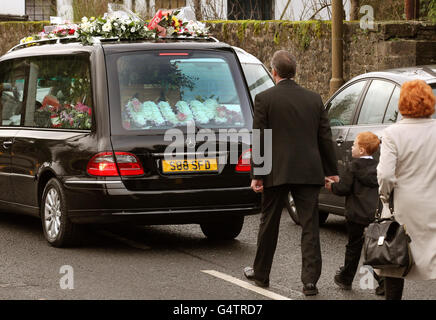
point(12, 32)
point(389, 45)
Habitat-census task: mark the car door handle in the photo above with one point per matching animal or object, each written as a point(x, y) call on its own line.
point(7, 144)
point(340, 141)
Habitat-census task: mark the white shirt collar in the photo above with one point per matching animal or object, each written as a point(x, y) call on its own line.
point(366, 157)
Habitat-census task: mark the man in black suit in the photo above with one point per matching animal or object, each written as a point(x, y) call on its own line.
point(302, 156)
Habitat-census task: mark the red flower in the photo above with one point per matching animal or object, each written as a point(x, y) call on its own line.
point(156, 19)
point(71, 31)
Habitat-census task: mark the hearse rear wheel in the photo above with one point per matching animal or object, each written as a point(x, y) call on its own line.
point(58, 230)
point(227, 229)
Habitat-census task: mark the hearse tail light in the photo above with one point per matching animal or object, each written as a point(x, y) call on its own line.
point(244, 164)
point(103, 165)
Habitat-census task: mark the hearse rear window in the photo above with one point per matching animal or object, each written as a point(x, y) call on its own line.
point(163, 90)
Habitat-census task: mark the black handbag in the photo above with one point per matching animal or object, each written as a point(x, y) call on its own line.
point(387, 245)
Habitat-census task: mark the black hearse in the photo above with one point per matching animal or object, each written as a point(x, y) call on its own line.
point(82, 135)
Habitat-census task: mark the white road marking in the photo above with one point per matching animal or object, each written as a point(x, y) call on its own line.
point(246, 285)
point(130, 243)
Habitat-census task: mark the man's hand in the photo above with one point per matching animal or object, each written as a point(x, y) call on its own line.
point(257, 185)
point(329, 180)
point(334, 178)
point(328, 183)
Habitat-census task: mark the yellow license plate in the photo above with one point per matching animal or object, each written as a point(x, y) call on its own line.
point(189, 165)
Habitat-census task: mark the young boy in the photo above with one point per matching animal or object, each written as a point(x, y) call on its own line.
point(360, 187)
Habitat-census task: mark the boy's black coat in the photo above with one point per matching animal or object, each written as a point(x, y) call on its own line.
point(359, 184)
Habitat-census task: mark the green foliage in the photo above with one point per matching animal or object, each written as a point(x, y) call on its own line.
point(277, 37)
point(304, 37)
point(432, 11)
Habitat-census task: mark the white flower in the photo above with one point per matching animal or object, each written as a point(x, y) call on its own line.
point(86, 27)
point(183, 107)
point(170, 30)
point(168, 112)
point(132, 29)
point(107, 27)
point(151, 112)
point(198, 110)
point(123, 27)
point(84, 20)
point(136, 116)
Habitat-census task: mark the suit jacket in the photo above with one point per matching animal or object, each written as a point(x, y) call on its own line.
point(360, 187)
point(302, 147)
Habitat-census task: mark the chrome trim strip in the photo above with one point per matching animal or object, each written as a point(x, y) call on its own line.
point(170, 211)
point(92, 182)
point(224, 153)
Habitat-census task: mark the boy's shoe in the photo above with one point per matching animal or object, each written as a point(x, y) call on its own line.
point(380, 291)
point(341, 282)
point(310, 289)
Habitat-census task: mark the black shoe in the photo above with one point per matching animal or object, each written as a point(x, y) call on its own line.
point(262, 284)
point(310, 289)
point(380, 290)
point(249, 274)
point(340, 270)
point(341, 282)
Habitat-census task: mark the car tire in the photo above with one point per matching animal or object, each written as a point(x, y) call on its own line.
point(290, 205)
point(227, 229)
point(58, 230)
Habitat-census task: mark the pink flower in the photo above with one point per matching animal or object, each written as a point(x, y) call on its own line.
point(136, 105)
point(126, 124)
point(222, 112)
point(181, 116)
point(81, 107)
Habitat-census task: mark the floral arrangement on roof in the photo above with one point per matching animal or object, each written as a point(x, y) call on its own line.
point(53, 32)
point(125, 26)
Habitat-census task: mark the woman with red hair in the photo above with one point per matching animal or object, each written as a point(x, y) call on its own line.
point(407, 164)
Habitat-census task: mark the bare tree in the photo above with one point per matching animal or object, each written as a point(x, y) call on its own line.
point(198, 10)
point(354, 11)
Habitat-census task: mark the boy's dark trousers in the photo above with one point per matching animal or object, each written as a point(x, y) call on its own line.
point(353, 250)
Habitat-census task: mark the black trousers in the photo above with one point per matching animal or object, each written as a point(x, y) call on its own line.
point(394, 288)
point(306, 203)
point(353, 250)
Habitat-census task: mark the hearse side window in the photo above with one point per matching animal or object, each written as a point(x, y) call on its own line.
point(341, 107)
point(375, 103)
point(59, 94)
point(165, 90)
point(12, 87)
